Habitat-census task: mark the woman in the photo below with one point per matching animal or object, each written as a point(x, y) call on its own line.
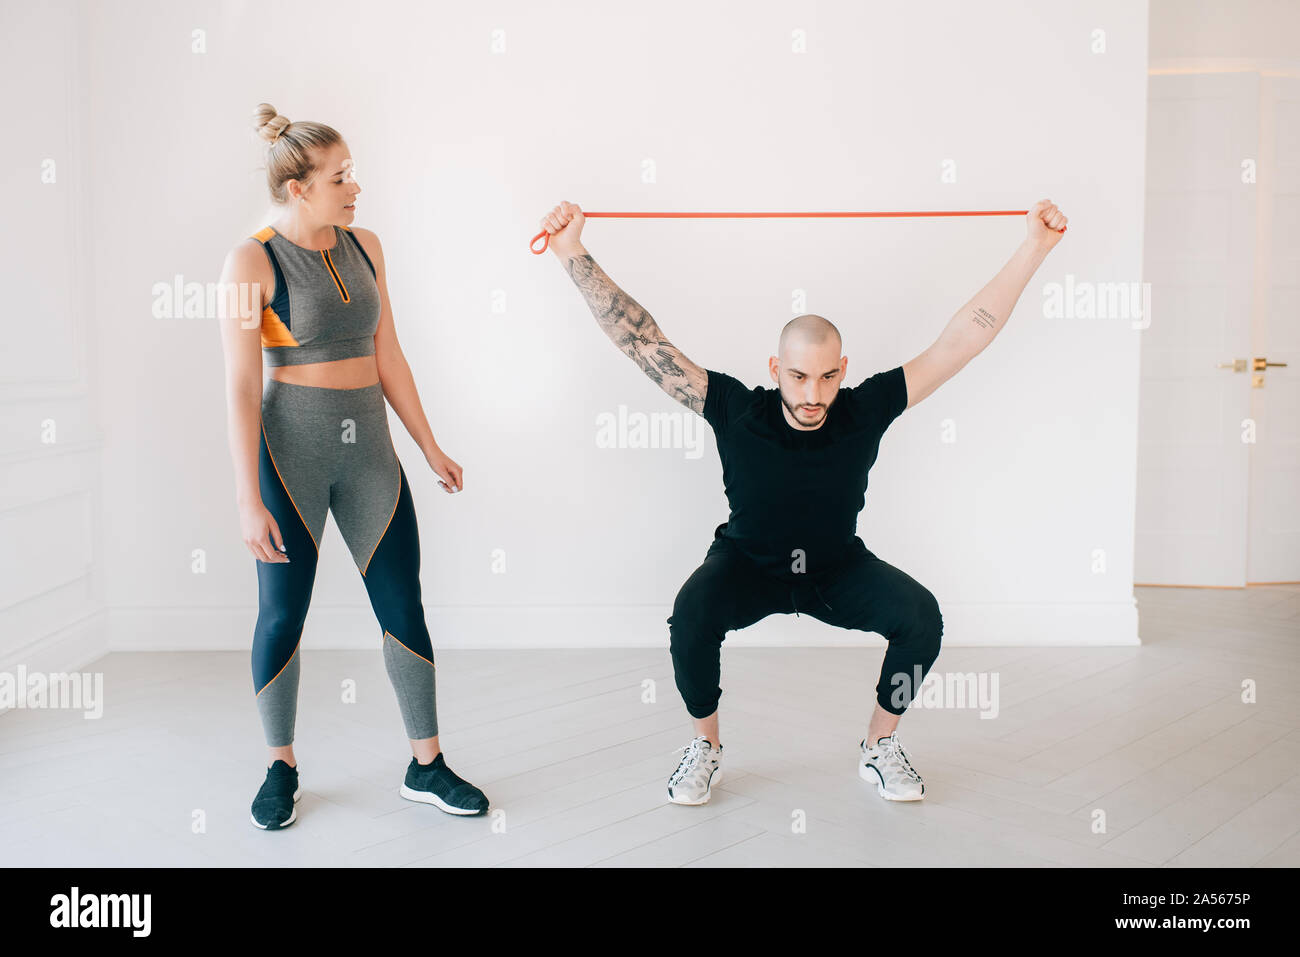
point(317, 440)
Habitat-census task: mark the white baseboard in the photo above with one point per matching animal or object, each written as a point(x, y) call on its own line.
point(70, 648)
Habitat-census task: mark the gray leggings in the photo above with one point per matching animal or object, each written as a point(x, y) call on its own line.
point(329, 450)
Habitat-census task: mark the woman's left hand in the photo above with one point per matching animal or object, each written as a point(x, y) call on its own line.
point(448, 472)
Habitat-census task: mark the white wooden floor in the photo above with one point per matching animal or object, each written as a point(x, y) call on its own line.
point(1154, 738)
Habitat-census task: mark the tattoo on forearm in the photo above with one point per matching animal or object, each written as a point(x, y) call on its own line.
point(983, 318)
point(636, 333)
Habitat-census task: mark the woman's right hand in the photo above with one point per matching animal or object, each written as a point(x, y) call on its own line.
point(261, 534)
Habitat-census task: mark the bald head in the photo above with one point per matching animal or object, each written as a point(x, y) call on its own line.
point(807, 333)
point(808, 370)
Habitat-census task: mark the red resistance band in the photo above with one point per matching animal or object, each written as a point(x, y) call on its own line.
point(544, 236)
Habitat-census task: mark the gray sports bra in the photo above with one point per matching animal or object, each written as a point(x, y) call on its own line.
point(326, 302)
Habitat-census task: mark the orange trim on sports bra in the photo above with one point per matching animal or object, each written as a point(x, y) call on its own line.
point(338, 281)
point(274, 331)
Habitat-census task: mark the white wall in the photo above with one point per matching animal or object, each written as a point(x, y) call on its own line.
point(460, 150)
point(51, 595)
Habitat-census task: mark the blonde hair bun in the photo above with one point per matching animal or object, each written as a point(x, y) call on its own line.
point(268, 122)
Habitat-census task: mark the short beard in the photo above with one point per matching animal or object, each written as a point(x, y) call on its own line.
point(794, 409)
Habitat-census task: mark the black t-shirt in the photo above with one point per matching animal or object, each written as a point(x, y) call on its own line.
point(795, 489)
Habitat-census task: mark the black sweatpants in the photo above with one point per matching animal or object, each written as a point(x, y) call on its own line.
point(728, 592)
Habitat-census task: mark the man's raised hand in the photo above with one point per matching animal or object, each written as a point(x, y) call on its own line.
point(564, 223)
point(1046, 223)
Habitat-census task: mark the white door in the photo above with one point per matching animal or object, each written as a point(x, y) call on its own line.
point(1199, 258)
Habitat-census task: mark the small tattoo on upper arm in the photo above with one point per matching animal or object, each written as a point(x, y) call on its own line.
point(983, 318)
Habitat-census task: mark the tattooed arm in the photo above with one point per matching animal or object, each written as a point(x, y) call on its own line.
point(977, 322)
point(626, 323)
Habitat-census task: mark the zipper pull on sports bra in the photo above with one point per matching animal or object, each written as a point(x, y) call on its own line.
point(326, 301)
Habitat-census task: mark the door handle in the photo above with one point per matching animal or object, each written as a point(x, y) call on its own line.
point(1257, 367)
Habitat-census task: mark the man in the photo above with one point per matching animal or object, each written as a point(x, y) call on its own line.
point(794, 463)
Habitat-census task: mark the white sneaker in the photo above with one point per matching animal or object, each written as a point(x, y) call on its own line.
point(699, 770)
point(886, 764)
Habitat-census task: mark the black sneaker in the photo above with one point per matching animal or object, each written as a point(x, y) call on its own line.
point(439, 785)
point(273, 807)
